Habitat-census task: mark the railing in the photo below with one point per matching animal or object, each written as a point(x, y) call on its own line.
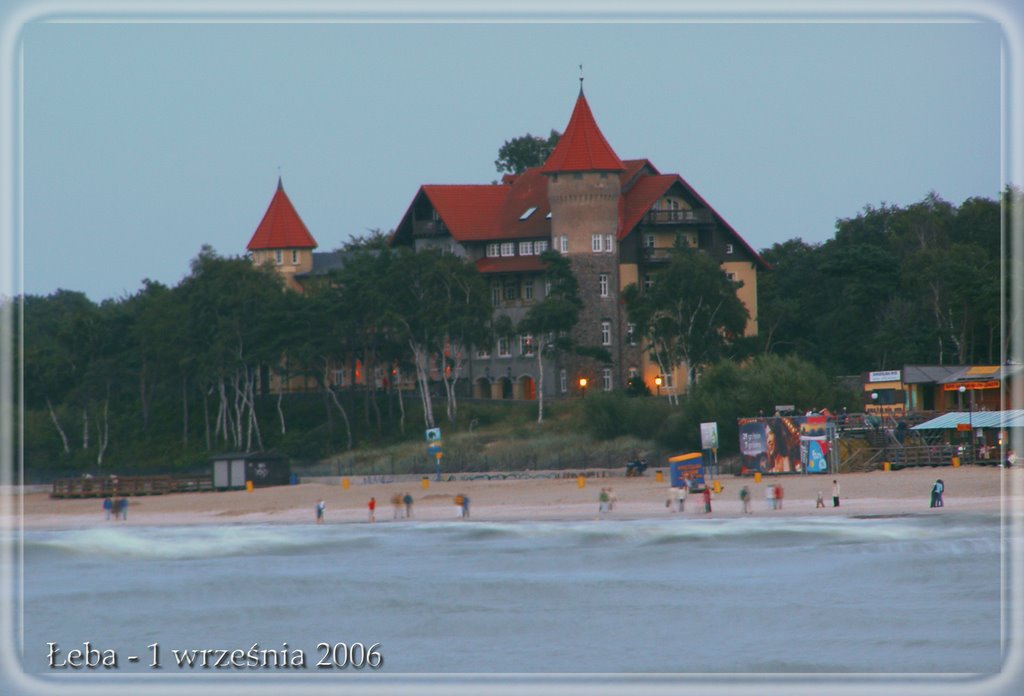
point(428, 228)
point(129, 485)
point(657, 254)
point(678, 217)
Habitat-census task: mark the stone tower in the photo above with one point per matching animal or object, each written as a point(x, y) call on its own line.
point(585, 195)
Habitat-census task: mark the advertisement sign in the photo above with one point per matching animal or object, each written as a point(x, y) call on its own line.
point(783, 445)
point(709, 436)
point(884, 376)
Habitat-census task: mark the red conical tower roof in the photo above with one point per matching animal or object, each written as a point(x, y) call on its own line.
point(582, 147)
point(281, 227)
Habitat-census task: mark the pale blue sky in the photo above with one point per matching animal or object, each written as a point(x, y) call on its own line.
point(144, 141)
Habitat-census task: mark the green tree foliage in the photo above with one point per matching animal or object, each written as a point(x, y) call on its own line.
point(519, 154)
point(690, 315)
point(895, 286)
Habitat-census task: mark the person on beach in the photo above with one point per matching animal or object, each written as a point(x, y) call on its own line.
point(745, 499)
point(408, 505)
point(396, 504)
point(937, 489)
point(602, 502)
point(778, 496)
point(612, 499)
point(122, 507)
point(820, 502)
point(320, 507)
point(707, 499)
point(835, 493)
point(460, 509)
point(465, 506)
point(108, 506)
point(372, 507)
point(684, 491)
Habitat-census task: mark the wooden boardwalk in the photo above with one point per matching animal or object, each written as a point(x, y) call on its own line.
point(129, 485)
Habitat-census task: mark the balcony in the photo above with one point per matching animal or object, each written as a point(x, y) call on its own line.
point(657, 254)
point(678, 217)
point(429, 228)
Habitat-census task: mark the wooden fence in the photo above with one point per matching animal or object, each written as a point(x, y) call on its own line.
point(129, 485)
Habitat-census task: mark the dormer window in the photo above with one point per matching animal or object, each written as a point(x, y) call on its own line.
point(728, 248)
point(528, 213)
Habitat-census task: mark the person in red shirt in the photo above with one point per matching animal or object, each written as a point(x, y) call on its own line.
point(372, 505)
point(707, 499)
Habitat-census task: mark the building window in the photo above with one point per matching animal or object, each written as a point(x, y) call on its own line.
point(511, 291)
point(526, 248)
point(564, 242)
point(606, 379)
point(633, 373)
point(595, 243)
point(540, 247)
point(563, 382)
point(609, 243)
point(483, 353)
point(631, 334)
point(648, 241)
point(504, 348)
point(493, 250)
point(666, 380)
point(528, 212)
point(527, 289)
point(602, 284)
point(648, 281)
point(496, 294)
point(728, 248)
point(526, 345)
point(606, 333)
point(691, 240)
point(731, 276)
point(295, 257)
point(508, 249)
point(277, 257)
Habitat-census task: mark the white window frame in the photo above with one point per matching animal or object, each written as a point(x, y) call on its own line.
point(563, 381)
point(528, 289)
point(508, 249)
point(563, 242)
point(596, 243)
point(606, 378)
point(649, 241)
point(278, 257)
point(493, 250)
point(609, 243)
point(631, 334)
point(504, 348)
point(728, 249)
point(606, 333)
point(295, 257)
point(483, 353)
point(539, 247)
point(602, 285)
point(510, 292)
point(648, 281)
point(495, 294)
point(526, 345)
point(526, 248)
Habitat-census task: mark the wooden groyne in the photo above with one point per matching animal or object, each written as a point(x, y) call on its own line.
point(129, 485)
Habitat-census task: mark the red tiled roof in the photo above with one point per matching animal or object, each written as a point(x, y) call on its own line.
point(471, 212)
point(582, 147)
point(510, 264)
point(281, 227)
point(641, 197)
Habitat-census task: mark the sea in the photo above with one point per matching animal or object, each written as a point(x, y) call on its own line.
point(793, 595)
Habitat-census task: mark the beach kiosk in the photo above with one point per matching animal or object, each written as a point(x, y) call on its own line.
point(689, 468)
point(231, 470)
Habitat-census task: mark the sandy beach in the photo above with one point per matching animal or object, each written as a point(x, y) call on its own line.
point(968, 489)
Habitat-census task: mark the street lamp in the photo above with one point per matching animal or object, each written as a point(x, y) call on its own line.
point(657, 383)
point(583, 387)
point(970, 420)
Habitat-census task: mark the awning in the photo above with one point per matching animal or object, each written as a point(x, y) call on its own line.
point(979, 419)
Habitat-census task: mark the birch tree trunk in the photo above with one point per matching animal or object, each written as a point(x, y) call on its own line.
point(56, 423)
point(280, 411)
point(85, 427)
point(422, 379)
point(540, 383)
point(344, 415)
point(104, 435)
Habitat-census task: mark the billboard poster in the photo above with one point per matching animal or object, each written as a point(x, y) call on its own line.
point(776, 445)
point(814, 444)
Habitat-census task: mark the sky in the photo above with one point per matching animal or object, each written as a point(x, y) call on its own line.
point(144, 141)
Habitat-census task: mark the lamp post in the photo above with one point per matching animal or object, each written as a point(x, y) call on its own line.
point(970, 420)
point(583, 387)
point(657, 384)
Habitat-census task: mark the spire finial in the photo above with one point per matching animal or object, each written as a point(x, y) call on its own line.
point(581, 78)
point(279, 176)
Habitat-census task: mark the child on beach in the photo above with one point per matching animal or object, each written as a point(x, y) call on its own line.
point(820, 502)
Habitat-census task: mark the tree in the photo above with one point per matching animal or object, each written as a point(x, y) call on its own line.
point(551, 320)
point(690, 314)
point(519, 154)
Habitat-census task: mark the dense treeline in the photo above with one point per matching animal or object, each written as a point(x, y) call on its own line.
point(895, 286)
point(163, 377)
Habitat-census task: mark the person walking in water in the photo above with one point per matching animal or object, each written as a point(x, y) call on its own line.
point(835, 493)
